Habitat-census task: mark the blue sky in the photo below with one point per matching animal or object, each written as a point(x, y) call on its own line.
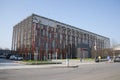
point(98, 16)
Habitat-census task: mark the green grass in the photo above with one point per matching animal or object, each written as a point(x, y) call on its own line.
point(33, 62)
point(87, 59)
point(82, 58)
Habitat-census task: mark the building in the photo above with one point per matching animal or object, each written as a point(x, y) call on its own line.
point(5, 52)
point(116, 50)
point(38, 37)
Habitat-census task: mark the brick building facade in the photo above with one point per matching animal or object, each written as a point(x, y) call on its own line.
point(37, 37)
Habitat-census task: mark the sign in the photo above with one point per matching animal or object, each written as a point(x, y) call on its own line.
point(85, 49)
point(57, 50)
point(95, 47)
point(35, 53)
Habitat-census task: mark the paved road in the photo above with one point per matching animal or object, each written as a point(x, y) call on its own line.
point(100, 71)
point(5, 62)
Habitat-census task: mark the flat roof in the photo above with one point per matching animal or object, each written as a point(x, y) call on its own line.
point(69, 25)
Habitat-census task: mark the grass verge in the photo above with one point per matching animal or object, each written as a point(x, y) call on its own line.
point(32, 62)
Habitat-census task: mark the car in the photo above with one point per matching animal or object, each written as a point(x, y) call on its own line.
point(13, 57)
point(19, 58)
point(16, 57)
point(117, 59)
point(2, 56)
point(96, 60)
point(8, 56)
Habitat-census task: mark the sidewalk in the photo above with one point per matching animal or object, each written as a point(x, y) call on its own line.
point(72, 64)
point(75, 62)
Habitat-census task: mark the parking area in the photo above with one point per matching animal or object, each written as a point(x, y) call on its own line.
point(6, 62)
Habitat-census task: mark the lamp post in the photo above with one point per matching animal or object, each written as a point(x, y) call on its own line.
point(81, 55)
point(95, 48)
point(67, 55)
point(56, 55)
point(55, 36)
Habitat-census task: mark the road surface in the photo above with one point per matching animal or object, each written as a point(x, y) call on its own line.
point(98, 71)
point(5, 62)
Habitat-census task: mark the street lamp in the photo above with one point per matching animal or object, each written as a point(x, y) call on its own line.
point(56, 54)
point(81, 55)
point(95, 48)
point(67, 55)
point(55, 44)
